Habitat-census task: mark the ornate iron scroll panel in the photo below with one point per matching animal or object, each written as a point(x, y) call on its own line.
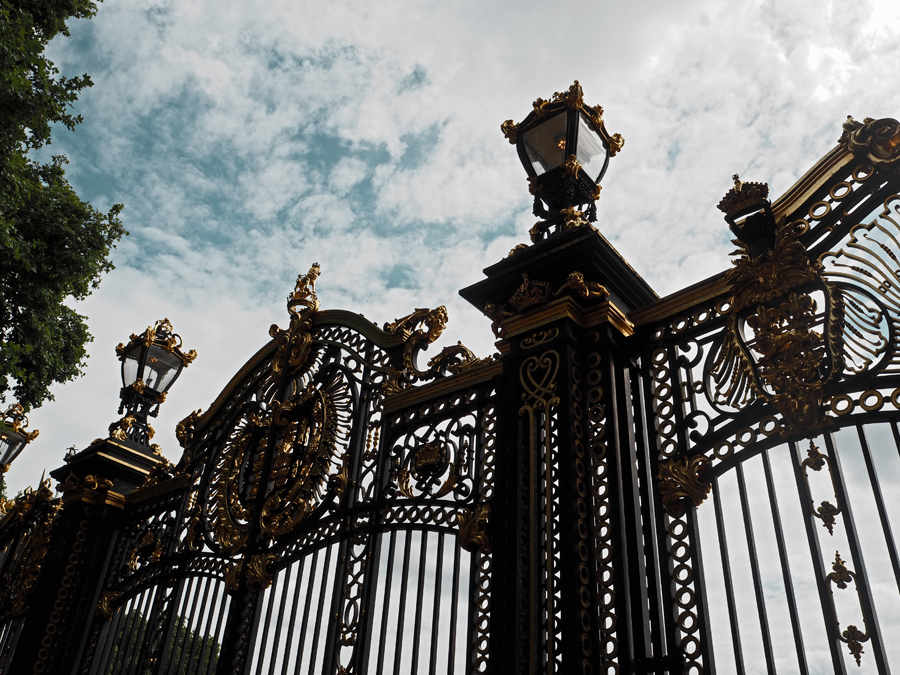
point(722, 425)
point(255, 576)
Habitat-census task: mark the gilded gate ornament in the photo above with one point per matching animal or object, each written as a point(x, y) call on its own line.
point(852, 636)
point(418, 330)
point(878, 141)
point(783, 336)
point(473, 528)
point(681, 482)
point(293, 344)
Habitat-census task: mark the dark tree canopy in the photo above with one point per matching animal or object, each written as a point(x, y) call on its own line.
point(53, 246)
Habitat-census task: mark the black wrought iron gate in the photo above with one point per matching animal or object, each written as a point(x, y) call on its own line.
point(703, 483)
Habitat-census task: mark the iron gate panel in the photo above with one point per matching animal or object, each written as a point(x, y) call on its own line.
point(786, 376)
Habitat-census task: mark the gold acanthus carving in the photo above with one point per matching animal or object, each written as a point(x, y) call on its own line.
point(184, 430)
point(418, 330)
point(473, 528)
point(878, 141)
point(89, 482)
point(259, 573)
point(293, 344)
point(681, 481)
point(106, 605)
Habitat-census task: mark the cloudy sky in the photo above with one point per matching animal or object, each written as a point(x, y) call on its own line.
point(248, 140)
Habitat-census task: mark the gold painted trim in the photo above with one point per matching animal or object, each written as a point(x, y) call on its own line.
point(822, 171)
point(441, 386)
point(681, 301)
point(143, 494)
point(568, 308)
point(95, 497)
point(116, 460)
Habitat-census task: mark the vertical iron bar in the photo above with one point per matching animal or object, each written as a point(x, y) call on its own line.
point(879, 503)
point(386, 605)
point(436, 614)
point(420, 592)
point(320, 619)
point(107, 653)
point(644, 436)
point(310, 585)
point(815, 553)
point(207, 631)
point(223, 611)
point(122, 641)
point(866, 599)
point(727, 577)
point(285, 576)
point(193, 595)
point(134, 638)
point(401, 613)
point(754, 570)
point(454, 594)
point(205, 584)
point(785, 567)
point(294, 612)
point(699, 576)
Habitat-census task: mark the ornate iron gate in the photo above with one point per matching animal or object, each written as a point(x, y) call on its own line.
point(631, 485)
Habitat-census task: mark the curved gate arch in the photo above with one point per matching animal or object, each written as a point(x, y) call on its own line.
point(310, 527)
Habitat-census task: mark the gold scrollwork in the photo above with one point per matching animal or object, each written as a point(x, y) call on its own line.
point(878, 141)
point(258, 570)
point(792, 353)
point(680, 480)
point(184, 430)
point(418, 330)
point(294, 343)
point(853, 637)
point(473, 528)
point(539, 338)
point(106, 605)
point(537, 376)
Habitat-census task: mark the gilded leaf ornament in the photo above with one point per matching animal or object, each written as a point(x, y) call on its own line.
point(681, 482)
point(473, 528)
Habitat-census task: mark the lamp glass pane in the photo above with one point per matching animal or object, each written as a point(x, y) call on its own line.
point(11, 444)
point(545, 144)
point(591, 153)
point(161, 369)
point(130, 366)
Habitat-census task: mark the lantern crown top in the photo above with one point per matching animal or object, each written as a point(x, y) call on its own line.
point(160, 334)
point(743, 198)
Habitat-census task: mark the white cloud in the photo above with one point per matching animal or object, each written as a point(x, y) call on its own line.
point(250, 139)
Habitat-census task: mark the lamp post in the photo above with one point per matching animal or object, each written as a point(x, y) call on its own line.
point(14, 436)
point(565, 149)
point(151, 362)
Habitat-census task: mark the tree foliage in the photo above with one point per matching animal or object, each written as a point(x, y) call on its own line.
point(53, 246)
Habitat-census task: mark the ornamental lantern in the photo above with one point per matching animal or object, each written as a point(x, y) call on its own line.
point(565, 149)
point(14, 436)
point(151, 362)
